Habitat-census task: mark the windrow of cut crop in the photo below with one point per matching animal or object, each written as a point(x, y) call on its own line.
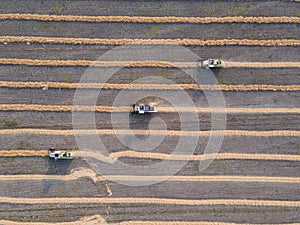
point(147, 19)
point(184, 42)
point(212, 87)
point(132, 64)
point(161, 156)
point(160, 201)
point(161, 109)
point(91, 174)
point(97, 219)
point(273, 133)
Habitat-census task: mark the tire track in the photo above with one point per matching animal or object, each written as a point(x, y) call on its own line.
point(147, 19)
point(82, 172)
point(167, 201)
point(122, 41)
point(274, 133)
point(113, 157)
point(213, 87)
point(133, 64)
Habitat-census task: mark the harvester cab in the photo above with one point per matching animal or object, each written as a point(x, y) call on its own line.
point(59, 154)
point(142, 109)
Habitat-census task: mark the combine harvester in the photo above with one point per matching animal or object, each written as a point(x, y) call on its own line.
point(211, 63)
point(59, 154)
point(142, 109)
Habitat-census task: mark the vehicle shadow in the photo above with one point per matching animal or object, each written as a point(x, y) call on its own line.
point(56, 167)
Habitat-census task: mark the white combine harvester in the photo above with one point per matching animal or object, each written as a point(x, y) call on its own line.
point(142, 109)
point(59, 154)
point(211, 63)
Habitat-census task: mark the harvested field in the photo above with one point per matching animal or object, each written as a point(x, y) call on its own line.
point(252, 177)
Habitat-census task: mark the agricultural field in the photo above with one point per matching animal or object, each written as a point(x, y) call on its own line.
point(228, 154)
